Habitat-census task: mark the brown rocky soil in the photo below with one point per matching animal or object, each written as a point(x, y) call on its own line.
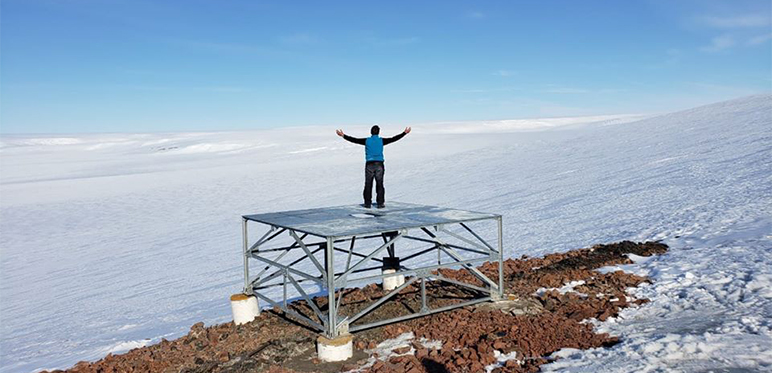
point(531, 326)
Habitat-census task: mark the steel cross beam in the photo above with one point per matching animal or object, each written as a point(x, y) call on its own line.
point(462, 249)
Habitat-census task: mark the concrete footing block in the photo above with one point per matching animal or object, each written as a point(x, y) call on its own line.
point(391, 265)
point(337, 349)
point(244, 307)
point(392, 282)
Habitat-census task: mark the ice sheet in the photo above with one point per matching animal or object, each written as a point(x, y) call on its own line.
point(103, 231)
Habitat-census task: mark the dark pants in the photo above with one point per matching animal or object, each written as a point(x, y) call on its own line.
point(374, 170)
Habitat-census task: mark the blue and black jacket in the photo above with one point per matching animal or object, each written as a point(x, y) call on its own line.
point(374, 145)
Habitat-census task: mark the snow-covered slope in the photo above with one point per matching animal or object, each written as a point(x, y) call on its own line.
point(114, 241)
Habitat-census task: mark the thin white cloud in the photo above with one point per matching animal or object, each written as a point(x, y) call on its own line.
point(739, 29)
point(299, 38)
point(727, 90)
point(219, 46)
point(759, 39)
point(476, 15)
point(140, 87)
point(565, 90)
point(734, 22)
point(212, 89)
point(476, 100)
point(469, 91)
point(503, 89)
point(555, 89)
point(672, 58)
point(134, 71)
point(396, 41)
point(612, 90)
point(225, 89)
point(542, 107)
point(227, 47)
point(719, 44)
point(505, 73)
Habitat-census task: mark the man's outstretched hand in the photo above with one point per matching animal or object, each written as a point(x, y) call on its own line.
point(339, 132)
point(407, 129)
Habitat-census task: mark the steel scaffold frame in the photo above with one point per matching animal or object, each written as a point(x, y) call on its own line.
point(330, 280)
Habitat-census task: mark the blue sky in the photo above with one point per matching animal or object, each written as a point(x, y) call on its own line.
point(137, 66)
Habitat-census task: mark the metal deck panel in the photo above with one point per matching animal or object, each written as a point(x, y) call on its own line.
point(339, 221)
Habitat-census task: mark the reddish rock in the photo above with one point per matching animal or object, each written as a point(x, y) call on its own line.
point(348, 367)
point(402, 350)
point(223, 356)
point(499, 345)
point(469, 335)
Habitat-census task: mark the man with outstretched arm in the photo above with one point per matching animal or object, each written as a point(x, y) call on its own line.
point(374, 168)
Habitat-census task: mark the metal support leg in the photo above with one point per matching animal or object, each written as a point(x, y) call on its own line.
point(247, 284)
point(388, 236)
point(424, 308)
point(501, 260)
point(285, 288)
point(332, 328)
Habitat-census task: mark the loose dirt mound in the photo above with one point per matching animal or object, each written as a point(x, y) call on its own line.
point(469, 336)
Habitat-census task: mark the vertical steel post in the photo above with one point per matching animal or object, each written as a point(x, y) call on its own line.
point(501, 260)
point(246, 256)
point(439, 247)
point(285, 288)
point(332, 324)
point(391, 248)
point(423, 294)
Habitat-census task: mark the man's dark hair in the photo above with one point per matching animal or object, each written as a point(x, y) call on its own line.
point(375, 130)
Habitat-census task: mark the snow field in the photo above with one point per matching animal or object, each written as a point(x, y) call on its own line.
point(133, 238)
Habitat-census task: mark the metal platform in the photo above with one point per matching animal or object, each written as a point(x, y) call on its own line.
point(432, 238)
